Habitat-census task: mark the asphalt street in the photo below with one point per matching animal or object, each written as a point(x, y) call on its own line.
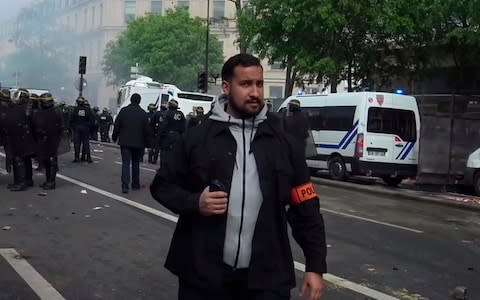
point(86, 240)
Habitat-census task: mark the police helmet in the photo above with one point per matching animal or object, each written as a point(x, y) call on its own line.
point(96, 109)
point(46, 97)
point(294, 103)
point(80, 100)
point(5, 95)
point(199, 110)
point(152, 107)
point(105, 110)
point(22, 94)
point(173, 104)
point(34, 97)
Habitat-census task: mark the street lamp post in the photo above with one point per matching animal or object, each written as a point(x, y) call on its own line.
point(207, 43)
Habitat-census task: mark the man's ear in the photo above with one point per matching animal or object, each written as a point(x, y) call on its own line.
point(226, 87)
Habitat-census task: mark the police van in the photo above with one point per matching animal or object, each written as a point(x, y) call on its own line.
point(365, 133)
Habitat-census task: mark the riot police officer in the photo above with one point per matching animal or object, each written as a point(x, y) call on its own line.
point(5, 107)
point(153, 124)
point(21, 140)
point(48, 127)
point(82, 122)
point(105, 121)
point(174, 127)
point(96, 123)
point(196, 118)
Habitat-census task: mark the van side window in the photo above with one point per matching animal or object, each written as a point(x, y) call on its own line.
point(333, 118)
point(393, 121)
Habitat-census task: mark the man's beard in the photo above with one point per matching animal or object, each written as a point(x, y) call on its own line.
point(242, 112)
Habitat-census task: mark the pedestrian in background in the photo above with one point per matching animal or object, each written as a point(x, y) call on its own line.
point(82, 120)
point(230, 180)
point(131, 130)
point(105, 122)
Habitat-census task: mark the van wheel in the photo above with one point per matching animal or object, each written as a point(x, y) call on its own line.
point(476, 183)
point(392, 181)
point(337, 168)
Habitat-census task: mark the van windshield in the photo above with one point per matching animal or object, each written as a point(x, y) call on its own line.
point(393, 121)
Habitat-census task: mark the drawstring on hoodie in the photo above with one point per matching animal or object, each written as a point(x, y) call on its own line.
point(251, 135)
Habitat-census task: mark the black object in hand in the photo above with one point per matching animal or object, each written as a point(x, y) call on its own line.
point(217, 186)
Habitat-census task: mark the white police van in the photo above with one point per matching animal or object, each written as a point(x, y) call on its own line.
point(365, 133)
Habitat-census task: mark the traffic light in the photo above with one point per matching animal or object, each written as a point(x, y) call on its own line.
point(82, 65)
point(202, 81)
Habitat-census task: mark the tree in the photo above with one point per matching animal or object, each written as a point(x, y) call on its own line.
point(169, 48)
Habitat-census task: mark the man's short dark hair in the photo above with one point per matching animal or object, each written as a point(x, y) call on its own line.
point(135, 98)
point(241, 59)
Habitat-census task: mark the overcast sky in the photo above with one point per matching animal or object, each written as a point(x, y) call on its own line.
point(10, 8)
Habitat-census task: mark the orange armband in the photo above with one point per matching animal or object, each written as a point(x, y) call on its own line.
point(302, 193)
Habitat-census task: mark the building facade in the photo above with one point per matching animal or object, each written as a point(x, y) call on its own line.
point(97, 22)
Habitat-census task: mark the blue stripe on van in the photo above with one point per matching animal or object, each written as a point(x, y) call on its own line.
point(403, 150)
point(347, 138)
point(407, 152)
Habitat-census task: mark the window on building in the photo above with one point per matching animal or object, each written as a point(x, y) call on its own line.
point(101, 14)
point(183, 3)
point(276, 91)
point(157, 7)
point(130, 10)
point(93, 17)
point(277, 65)
point(219, 10)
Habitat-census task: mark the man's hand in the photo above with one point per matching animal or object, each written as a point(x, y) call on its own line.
point(213, 203)
point(314, 283)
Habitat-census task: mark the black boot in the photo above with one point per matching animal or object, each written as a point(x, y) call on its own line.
point(89, 158)
point(51, 173)
point(76, 160)
point(19, 166)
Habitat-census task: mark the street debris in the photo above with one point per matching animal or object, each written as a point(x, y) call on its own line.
point(97, 208)
point(464, 199)
point(87, 216)
point(395, 268)
point(12, 208)
point(467, 241)
point(83, 191)
point(6, 228)
point(404, 294)
point(459, 293)
point(106, 205)
point(43, 194)
point(329, 246)
point(372, 270)
point(97, 151)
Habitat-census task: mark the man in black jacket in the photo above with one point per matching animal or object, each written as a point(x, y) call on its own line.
point(230, 180)
point(131, 130)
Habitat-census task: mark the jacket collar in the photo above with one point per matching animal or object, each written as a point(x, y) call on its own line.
point(264, 128)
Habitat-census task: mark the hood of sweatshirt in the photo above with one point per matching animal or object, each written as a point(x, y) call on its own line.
point(245, 195)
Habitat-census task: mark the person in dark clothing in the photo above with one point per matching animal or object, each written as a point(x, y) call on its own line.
point(235, 181)
point(96, 123)
point(5, 108)
point(153, 123)
point(22, 142)
point(161, 118)
point(81, 122)
point(296, 123)
point(48, 128)
point(174, 127)
point(197, 118)
point(131, 130)
point(105, 122)
point(33, 107)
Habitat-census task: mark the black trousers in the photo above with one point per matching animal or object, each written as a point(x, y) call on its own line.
point(235, 287)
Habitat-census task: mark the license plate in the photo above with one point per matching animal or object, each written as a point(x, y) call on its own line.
point(376, 153)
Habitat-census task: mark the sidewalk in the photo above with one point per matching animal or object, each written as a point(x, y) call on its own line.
point(406, 192)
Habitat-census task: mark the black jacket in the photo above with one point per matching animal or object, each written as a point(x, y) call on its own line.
point(20, 131)
point(131, 127)
point(207, 152)
point(48, 128)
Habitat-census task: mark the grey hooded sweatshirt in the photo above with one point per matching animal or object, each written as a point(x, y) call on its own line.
point(245, 197)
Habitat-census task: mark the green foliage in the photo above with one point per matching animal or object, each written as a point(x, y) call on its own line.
point(363, 40)
point(168, 48)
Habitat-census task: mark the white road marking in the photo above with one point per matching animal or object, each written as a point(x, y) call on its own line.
point(39, 285)
point(344, 283)
point(141, 168)
point(371, 220)
point(338, 281)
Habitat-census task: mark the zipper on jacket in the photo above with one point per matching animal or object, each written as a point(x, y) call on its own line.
point(243, 195)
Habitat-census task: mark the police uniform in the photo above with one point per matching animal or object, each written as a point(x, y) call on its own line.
point(48, 127)
point(197, 118)
point(174, 127)
point(5, 107)
point(21, 141)
point(153, 124)
point(82, 121)
point(96, 123)
point(105, 121)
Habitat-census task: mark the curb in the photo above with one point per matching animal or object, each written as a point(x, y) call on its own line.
point(405, 194)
